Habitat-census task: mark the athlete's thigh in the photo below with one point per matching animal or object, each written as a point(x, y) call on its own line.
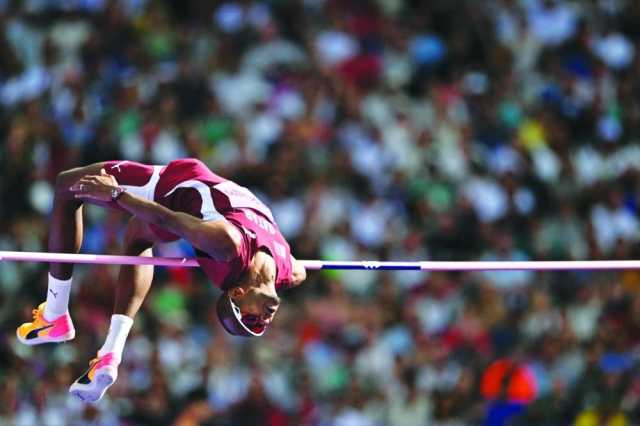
point(138, 235)
point(139, 179)
point(71, 176)
point(138, 176)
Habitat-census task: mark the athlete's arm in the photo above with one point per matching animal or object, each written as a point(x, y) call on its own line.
point(299, 272)
point(217, 238)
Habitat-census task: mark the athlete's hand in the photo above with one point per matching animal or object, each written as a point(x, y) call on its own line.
point(299, 272)
point(95, 187)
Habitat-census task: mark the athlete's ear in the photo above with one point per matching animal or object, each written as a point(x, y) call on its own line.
point(103, 172)
point(237, 292)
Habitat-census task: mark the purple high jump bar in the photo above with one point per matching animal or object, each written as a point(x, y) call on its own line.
point(322, 264)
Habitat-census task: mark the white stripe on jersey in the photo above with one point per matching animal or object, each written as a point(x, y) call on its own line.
point(207, 210)
point(147, 190)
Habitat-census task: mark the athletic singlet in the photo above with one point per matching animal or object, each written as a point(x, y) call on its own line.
point(187, 185)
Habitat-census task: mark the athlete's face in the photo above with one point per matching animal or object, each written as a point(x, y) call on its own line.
point(258, 306)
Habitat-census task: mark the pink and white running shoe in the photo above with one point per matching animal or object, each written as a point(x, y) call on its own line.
point(43, 331)
point(93, 384)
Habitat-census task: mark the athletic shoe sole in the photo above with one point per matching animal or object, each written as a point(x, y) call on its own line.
point(96, 389)
point(40, 340)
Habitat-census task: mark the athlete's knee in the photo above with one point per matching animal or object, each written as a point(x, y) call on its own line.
point(137, 247)
point(135, 241)
point(64, 180)
point(137, 238)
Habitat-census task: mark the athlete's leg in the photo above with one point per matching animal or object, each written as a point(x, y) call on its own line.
point(134, 282)
point(65, 229)
point(51, 321)
point(65, 236)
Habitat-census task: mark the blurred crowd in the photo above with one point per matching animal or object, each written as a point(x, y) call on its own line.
point(381, 129)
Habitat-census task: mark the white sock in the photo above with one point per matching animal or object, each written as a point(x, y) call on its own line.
point(57, 298)
point(117, 336)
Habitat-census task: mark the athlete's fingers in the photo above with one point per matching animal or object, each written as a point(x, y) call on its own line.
point(87, 180)
point(75, 187)
point(81, 184)
point(92, 188)
point(102, 179)
point(88, 193)
point(85, 184)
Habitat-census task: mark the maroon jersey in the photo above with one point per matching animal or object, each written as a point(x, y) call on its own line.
point(188, 186)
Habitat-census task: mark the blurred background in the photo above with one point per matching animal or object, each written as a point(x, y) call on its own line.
point(381, 129)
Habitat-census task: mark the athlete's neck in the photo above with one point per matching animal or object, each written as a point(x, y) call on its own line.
point(262, 270)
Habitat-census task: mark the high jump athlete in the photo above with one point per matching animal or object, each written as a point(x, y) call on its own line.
point(236, 239)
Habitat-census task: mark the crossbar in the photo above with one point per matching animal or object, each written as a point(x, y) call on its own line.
point(554, 265)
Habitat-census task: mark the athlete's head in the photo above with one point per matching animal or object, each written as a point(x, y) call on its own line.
point(248, 308)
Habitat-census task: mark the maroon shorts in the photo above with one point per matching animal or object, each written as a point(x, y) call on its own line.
point(168, 185)
point(139, 179)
